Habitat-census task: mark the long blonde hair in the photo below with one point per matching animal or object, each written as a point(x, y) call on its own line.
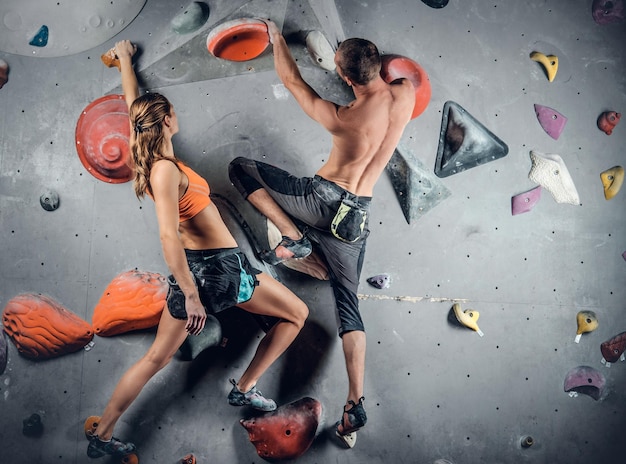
point(147, 114)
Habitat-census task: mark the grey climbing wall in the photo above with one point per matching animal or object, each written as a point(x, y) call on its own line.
point(436, 391)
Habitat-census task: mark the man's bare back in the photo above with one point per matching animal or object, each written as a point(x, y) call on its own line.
point(369, 131)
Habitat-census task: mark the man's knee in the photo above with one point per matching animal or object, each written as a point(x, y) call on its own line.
point(240, 177)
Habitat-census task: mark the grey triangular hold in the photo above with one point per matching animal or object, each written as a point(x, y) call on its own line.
point(464, 142)
point(418, 190)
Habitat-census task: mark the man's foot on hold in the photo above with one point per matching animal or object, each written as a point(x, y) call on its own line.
point(253, 398)
point(98, 448)
point(352, 419)
point(300, 248)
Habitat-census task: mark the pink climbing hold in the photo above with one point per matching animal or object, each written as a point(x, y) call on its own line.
point(550, 120)
point(608, 11)
point(585, 380)
point(524, 202)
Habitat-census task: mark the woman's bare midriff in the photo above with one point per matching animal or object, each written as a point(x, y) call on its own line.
point(205, 231)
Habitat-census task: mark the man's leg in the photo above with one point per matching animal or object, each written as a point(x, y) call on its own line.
point(268, 207)
point(354, 353)
point(279, 196)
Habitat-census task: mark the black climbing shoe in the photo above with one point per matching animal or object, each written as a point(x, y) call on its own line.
point(300, 248)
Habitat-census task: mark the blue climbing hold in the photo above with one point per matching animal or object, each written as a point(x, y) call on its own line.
point(41, 39)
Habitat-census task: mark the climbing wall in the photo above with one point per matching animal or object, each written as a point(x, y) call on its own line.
point(496, 246)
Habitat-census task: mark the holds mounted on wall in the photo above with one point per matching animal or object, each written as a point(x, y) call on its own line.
point(612, 180)
point(32, 426)
point(49, 200)
point(584, 380)
point(210, 336)
point(464, 142)
point(238, 40)
point(550, 63)
point(102, 135)
point(321, 50)
point(4, 352)
point(524, 202)
point(468, 318)
point(613, 349)
point(41, 328)
point(550, 120)
point(608, 120)
point(188, 459)
point(192, 18)
point(549, 171)
point(287, 432)
point(435, 3)
point(110, 59)
point(4, 73)
point(41, 38)
point(397, 66)
point(379, 281)
point(133, 300)
point(586, 321)
point(418, 190)
point(608, 11)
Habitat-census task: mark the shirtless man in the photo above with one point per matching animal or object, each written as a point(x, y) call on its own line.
point(364, 136)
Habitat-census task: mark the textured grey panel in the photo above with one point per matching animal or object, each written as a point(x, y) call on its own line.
point(434, 390)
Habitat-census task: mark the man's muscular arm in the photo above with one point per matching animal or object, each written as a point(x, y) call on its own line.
point(322, 111)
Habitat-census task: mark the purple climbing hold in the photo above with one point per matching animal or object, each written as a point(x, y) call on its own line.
point(624, 255)
point(524, 202)
point(608, 11)
point(41, 39)
point(379, 281)
point(585, 380)
point(551, 120)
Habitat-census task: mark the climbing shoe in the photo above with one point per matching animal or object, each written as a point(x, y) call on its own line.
point(300, 248)
point(352, 419)
point(253, 398)
point(98, 448)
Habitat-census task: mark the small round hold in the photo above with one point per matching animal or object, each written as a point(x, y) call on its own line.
point(32, 426)
point(49, 200)
point(527, 442)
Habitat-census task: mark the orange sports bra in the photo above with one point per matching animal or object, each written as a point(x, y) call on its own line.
point(196, 197)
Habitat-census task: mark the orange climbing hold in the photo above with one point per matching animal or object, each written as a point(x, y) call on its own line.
point(238, 40)
point(133, 300)
point(396, 67)
point(41, 328)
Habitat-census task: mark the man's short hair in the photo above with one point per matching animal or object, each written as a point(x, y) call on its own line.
point(359, 60)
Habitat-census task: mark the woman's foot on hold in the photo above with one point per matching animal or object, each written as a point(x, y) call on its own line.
point(98, 448)
point(252, 397)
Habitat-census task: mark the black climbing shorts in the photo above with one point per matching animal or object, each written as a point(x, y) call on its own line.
point(224, 278)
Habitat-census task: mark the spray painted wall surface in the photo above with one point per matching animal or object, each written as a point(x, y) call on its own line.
point(436, 391)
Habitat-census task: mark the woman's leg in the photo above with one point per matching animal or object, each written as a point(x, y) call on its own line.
point(169, 337)
point(271, 298)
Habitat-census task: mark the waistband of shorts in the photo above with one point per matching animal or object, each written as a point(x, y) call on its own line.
point(337, 188)
point(211, 253)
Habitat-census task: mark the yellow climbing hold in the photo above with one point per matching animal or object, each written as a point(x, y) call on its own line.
point(468, 318)
point(587, 322)
point(549, 62)
point(612, 180)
